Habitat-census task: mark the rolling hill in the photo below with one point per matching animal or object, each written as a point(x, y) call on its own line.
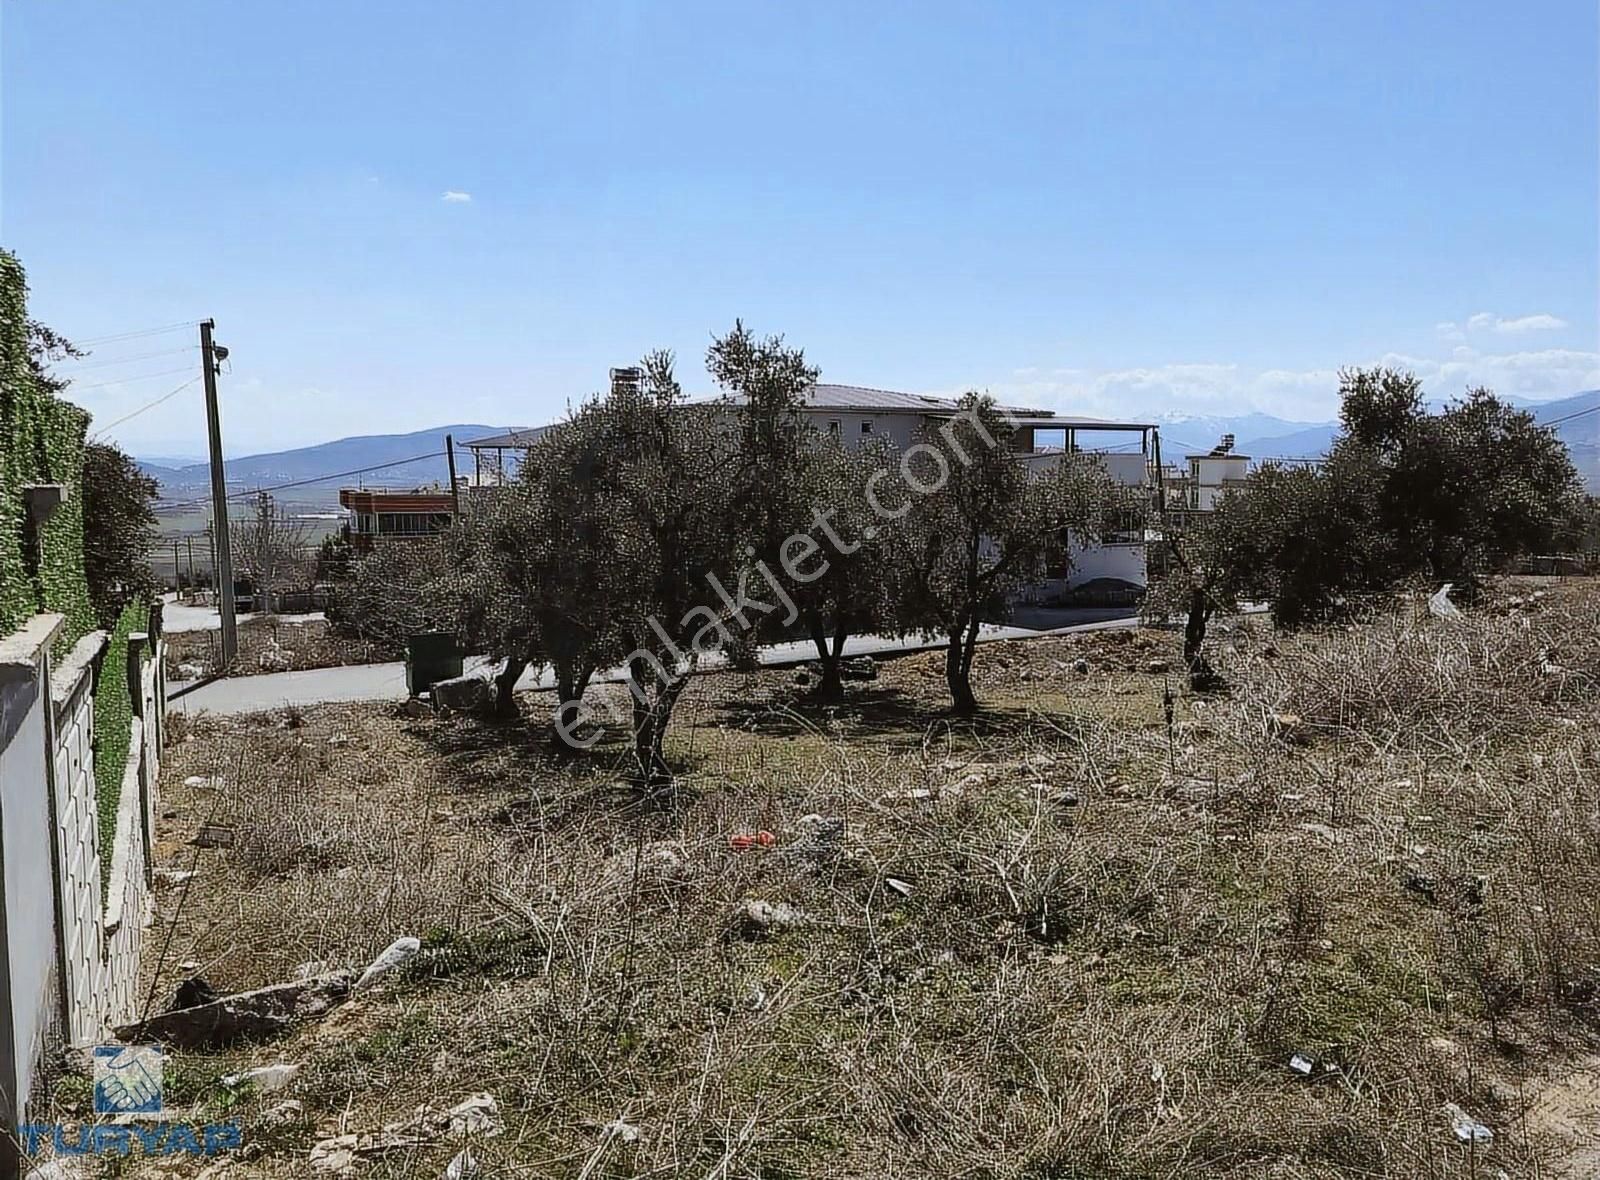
point(322, 467)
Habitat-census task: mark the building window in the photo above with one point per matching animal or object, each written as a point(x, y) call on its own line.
point(834, 427)
point(866, 426)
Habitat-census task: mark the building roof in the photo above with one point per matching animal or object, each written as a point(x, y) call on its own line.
point(1049, 421)
point(823, 397)
point(522, 436)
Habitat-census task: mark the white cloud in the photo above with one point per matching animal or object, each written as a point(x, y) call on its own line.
point(1308, 395)
point(1542, 322)
point(1449, 330)
point(1488, 321)
point(455, 197)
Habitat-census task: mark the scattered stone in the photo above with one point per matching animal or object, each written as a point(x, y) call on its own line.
point(246, 1015)
point(190, 672)
point(268, 1079)
point(338, 740)
point(1158, 667)
point(818, 841)
point(663, 860)
point(335, 1156)
point(189, 965)
point(759, 918)
point(1067, 799)
point(1081, 667)
point(1467, 1128)
point(463, 694)
point(213, 836)
point(860, 668)
point(416, 707)
point(399, 951)
point(203, 782)
point(193, 992)
point(291, 1110)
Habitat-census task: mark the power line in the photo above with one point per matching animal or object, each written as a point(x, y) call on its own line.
point(1569, 417)
point(128, 360)
point(147, 406)
point(300, 483)
point(134, 335)
point(126, 380)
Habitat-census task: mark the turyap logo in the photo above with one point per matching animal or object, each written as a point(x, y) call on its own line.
point(127, 1079)
point(127, 1087)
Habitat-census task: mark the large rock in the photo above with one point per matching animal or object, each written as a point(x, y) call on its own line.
point(463, 694)
point(244, 1016)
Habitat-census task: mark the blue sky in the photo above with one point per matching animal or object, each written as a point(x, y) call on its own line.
point(1104, 207)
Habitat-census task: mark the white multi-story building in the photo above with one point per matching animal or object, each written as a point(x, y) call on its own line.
point(1111, 571)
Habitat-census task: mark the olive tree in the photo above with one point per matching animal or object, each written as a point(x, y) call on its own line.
point(973, 526)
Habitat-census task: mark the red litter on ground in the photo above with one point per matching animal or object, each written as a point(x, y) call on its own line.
point(744, 841)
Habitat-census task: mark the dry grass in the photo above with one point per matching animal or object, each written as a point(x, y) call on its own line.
point(267, 645)
point(1403, 884)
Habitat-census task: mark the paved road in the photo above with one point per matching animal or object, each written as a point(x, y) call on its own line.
point(387, 682)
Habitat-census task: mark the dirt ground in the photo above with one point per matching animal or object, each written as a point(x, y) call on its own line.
point(1270, 933)
point(267, 645)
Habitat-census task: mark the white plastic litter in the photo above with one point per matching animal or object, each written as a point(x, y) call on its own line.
point(477, 1115)
point(1441, 605)
point(1301, 1064)
point(398, 952)
point(1467, 1128)
point(625, 1131)
point(463, 1167)
point(267, 1078)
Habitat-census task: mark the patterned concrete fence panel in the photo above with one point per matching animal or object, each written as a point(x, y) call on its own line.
point(77, 836)
point(69, 955)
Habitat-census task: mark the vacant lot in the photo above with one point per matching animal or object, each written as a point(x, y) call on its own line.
point(1272, 936)
point(267, 645)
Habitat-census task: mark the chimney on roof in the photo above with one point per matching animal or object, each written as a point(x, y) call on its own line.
point(629, 379)
point(1223, 447)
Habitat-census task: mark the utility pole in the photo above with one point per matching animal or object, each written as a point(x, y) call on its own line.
point(219, 499)
point(450, 457)
point(189, 543)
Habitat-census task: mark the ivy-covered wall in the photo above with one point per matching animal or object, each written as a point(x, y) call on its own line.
point(41, 441)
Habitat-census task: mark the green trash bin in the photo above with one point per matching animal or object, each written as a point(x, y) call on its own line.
point(431, 656)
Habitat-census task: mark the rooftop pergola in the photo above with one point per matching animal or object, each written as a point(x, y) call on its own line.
point(496, 446)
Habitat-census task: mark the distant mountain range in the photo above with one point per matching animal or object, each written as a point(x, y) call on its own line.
point(1261, 436)
point(323, 467)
